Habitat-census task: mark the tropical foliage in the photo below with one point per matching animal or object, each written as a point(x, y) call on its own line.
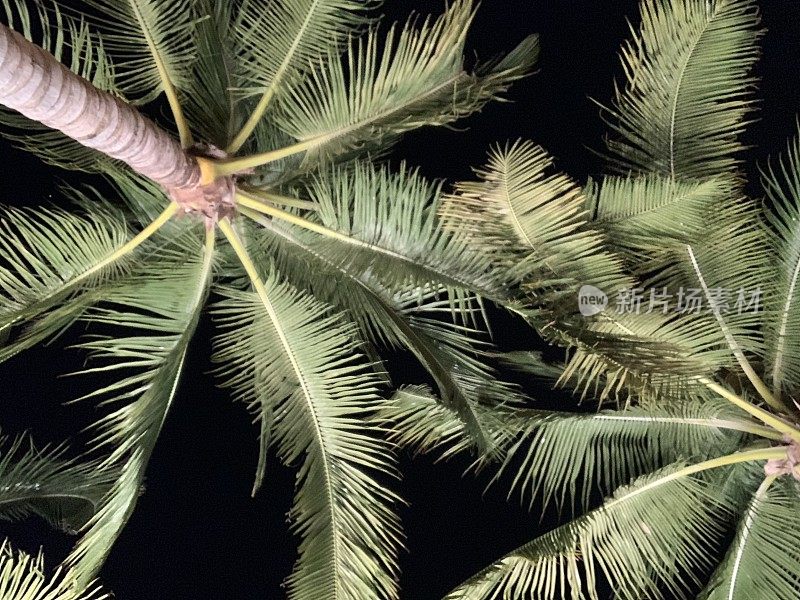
point(694, 358)
point(324, 258)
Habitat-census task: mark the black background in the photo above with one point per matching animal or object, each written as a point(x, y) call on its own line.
point(196, 532)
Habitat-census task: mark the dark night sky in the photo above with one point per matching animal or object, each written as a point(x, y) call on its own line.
point(196, 533)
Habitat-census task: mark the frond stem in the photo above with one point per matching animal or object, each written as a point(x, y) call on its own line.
point(759, 413)
point(169, 87)
point(716, 423)
point(748, 523)
point(278, 199)
point(745, 365)
point(246, 200)
point(714, 463)
point(146, 233)
point(252, 122)
point(231, 166)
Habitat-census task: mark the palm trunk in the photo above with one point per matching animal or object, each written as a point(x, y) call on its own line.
point(35, 84)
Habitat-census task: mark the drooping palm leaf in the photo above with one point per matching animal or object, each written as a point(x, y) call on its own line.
point(208, 98)
point(161, 305)
point(688, 88)
point(281, 41)
point(565, 458)
point(45, 483)
point(762, 560)
point(421, 422)
point(152, 45)
point(49, 255)
point(150, 42)
point(388, 226)
point(285, 347)
point(533, 225)
point(533, 222)
point(23, 577)
point(647, 537)
point(395, 242)
point(782, 319)
point(371, 96)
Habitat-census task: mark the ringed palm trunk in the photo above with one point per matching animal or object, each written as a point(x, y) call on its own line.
point(35, 84)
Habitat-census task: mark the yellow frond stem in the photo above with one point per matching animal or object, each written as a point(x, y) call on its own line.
point(261, 290)
point(248, 201)
point(208, 170)
point(759, 413)
point(714, 463)
point(232, 166)
point(252, 122)
point(146, 233)
point(278, 199)
point(169, 88)
point(745, 365)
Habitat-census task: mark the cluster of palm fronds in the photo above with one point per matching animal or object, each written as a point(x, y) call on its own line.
point(329, 259)
point(332, 258)
point(699, 455)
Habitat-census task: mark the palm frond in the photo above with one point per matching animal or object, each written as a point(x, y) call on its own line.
point(208, 96)
point(652, 220)
point(688, 88)
point(394, 320)
point(23, 577)
point(534, 223)
point(371, 96)
point(151, 43)
point(566, 458)
point(419, 421)
point(782, 318)
point(74, 45)
point(762, 560)
point(64, 492)
point(161, 304)
point(280, 41)
point(284, 347)
point(643, 541)
point(533, 226)
point(388, 226)
point(49, 255)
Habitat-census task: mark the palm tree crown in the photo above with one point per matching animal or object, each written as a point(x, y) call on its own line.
point(699, 452)
point(314, 255)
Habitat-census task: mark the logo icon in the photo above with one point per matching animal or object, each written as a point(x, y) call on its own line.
point(591, 300)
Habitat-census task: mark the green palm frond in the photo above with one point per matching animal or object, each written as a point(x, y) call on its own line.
point(644, 539)
point(74, 45)
point(419, 421)
point(23, 577)
point(150, 42)
point(763, 558)
point(652, 220)
point(281, 41)
point(371, 96)
point(43, 482)
point(389, 226)
point(688, 88)
point(534, 222)
point(50, 255)
point(286, 348)
point(208, 95)
point(393, 320)
point(160, 304)
point(782, 319)
point(565, 458)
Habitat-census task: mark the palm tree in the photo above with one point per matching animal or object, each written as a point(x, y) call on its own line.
point(269, 199)
point(697, 350)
